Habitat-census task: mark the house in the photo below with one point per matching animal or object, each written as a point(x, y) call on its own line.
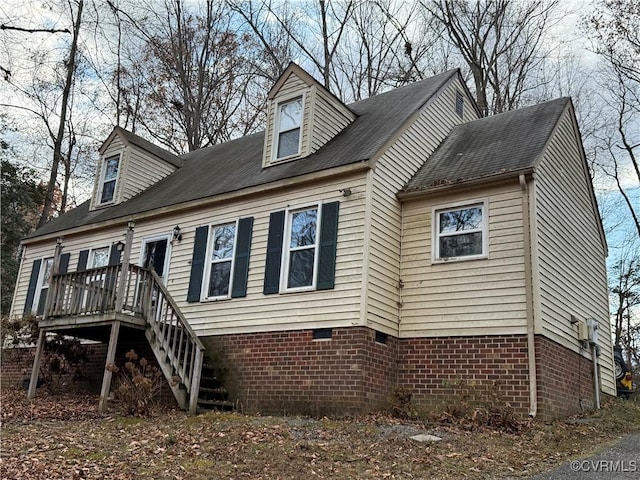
point(348, 250)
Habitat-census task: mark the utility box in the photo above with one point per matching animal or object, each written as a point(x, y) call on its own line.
point(592, 325)
point(583, 331)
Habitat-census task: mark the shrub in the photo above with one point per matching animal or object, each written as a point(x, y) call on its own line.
point(480, 405)
point(137, 384)
point(62, 356)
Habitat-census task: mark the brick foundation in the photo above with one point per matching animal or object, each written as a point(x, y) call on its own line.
point(443, 370)
point(290, 372)
point(565, 380)
point(17, 364)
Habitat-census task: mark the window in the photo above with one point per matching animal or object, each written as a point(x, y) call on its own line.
point(301, 249)
point(42, 287)
point(460, 232)
point(223, 239)
point(99, 257)
point(109, 176)
point(288, 128)
point(220, 261)
point(459, 103)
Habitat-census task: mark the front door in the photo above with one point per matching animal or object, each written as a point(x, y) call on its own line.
point(155, 255)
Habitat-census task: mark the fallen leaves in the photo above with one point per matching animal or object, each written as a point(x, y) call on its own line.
point(65, 438)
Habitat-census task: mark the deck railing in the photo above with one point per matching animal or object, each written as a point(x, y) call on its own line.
point(138, 292)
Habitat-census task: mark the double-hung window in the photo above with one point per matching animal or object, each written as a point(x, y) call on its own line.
point(460, 232)
point(289, 126)
point(109, 178)
point(301, 248)
point(220, 261)
point(221, 255)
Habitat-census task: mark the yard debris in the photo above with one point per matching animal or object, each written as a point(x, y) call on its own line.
point(64, 437)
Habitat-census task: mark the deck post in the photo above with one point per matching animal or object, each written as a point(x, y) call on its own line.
point(195, 381)
point(111, 356)
point(35, 370)
point(55, 268)
point(122, 284)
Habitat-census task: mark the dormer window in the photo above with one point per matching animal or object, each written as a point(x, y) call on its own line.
point(109, 179)
point(289, 126)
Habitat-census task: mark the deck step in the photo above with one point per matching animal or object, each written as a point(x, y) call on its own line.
point(224, 405)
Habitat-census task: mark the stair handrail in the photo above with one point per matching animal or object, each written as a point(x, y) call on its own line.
point(190, 377)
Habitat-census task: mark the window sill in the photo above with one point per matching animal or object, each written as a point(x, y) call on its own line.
point(443, 261)
point(214, 299)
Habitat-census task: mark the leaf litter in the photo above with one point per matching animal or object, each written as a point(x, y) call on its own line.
point(64, 437)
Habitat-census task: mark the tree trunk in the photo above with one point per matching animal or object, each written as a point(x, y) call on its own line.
point(57, 146)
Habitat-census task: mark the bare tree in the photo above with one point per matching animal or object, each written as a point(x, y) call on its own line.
point(49, 101)
point(501, 42)
point(383, 47)
point(615, 30)
point(305, 25)
point(189, 81)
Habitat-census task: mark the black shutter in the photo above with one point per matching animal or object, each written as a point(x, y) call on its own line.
point(197, 264)
point(241, 261)
point(33, 283)
point(114, 255)
point(82, 260)
point(274, 253)
point(64, 263)
point(328, 241)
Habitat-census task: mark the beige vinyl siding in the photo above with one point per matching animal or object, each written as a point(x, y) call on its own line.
point(259, 312)
point(137, 171)
point(256, 311)
point(570, 262)
point(329, 118)
point(72, 244)
point(141, 170)
point(473, 297)
point(392, 171)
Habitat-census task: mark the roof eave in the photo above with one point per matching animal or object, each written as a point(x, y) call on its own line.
point(203, 202)
point(473, 182)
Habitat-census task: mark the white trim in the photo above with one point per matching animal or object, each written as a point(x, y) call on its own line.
point(286, 240)
point(102, 181)
point(484, 229)
point(206, 277)
point(276, 126)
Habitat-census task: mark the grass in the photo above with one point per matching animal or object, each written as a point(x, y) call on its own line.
point(39, 442)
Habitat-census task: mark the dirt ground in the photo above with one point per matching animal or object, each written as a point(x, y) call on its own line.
point(64, 437)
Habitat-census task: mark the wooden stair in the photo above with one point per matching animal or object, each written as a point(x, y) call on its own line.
point(213, 395)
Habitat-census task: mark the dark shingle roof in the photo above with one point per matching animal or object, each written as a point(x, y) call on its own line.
point(159, 152)
point(488, 147)
point(237, 164)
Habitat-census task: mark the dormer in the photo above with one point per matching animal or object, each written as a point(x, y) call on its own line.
point(302, 116)
point(128, 165)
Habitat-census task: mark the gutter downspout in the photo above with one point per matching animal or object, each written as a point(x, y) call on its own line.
point(531, 347)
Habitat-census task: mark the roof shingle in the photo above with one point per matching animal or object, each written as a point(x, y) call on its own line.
point(490, 146)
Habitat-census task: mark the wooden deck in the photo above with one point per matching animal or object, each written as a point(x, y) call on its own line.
point(95, 303)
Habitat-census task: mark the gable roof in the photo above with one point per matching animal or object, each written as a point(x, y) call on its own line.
point(235, 165)
point(140, 142)
point(498, 145)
